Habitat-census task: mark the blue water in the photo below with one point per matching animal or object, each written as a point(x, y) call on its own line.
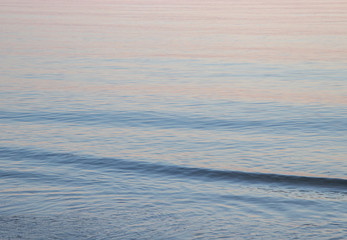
point(162, 120)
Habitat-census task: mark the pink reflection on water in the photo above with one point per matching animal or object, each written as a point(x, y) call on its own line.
point(251, 30)
point(235, 92)
point(232, 31)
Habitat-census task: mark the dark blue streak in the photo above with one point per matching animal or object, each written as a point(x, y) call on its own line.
point(174, 121)
point(171, 170)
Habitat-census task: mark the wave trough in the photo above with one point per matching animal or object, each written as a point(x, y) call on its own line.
point(173, 170)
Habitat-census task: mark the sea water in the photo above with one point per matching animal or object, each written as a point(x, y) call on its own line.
point(216, 119)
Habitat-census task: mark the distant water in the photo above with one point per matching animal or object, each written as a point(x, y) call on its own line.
point(173, 119)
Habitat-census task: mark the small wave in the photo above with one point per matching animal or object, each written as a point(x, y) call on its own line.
point(173, 170)
point(174, 121)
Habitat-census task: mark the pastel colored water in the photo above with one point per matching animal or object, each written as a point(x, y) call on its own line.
point(173, 119)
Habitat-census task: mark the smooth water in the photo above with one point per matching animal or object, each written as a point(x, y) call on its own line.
point(173, 119)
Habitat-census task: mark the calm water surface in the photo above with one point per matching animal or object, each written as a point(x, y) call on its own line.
point(173, 119)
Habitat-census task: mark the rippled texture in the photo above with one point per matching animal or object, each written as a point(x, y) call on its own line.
point(173, 119)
